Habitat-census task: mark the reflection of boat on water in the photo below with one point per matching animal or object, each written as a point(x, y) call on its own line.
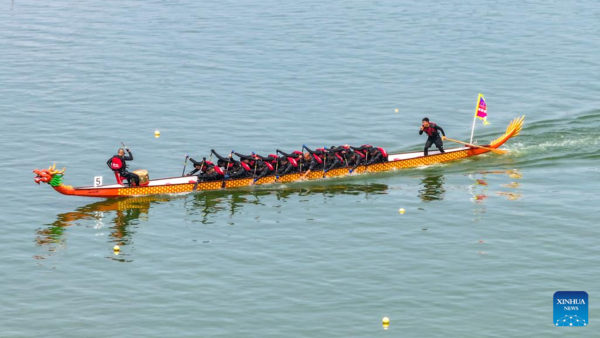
point(215, 201)
point(176, 185)
point(433, 188)
point(128, 211)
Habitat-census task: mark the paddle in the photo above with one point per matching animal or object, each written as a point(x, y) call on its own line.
point(497, 151)
point(255, 165)
point(198, 178)
point(366, 160)
point(227, 169)
point(302, 159)
point(324, 162)
point(185, 164)
point(346, 159)
point(277, 169)
point(203, 165)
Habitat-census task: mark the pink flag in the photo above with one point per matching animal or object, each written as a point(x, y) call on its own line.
point(481, 111)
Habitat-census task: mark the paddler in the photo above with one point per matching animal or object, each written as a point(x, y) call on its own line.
point(118, 163)
point(199, 166)
point(212, 173)
point(314, 159)
point(371, 154)
point(291, 163)
point(433, 136)
point(256, 164)
point(228, 163)
point(337, 157)
point(376, 155)
point(355, 158)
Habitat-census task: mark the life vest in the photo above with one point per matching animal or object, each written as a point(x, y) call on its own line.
point(383, 153)
point(246, 166)
point(205, 164)
point(360, 153)
point(366, 150)
point(297, 152)
point(219, 170)
point(339, 157)
point(116, 163)
point(270, 166)
point(318, 158)
point(293, 162)
point(430, 130)
point(274, 157)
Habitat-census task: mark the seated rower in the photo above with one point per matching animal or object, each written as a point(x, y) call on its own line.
point(355, 158)
point(199, 166)
point(212, 173)
point(118, 164)
point(295, 162)
point(271, 162)
point(314, 159)
point(283, 166)
point(342, 157)
point(228, 163)
point(376, 155)
point(254, 166)
point(240, 169)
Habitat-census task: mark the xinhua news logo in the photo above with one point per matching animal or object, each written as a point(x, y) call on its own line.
point(571, 308)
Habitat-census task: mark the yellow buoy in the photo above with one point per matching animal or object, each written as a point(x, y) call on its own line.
point(116, 248)
point(401, 211)
point(385, 321)
point(156, 133)
point(396, 110)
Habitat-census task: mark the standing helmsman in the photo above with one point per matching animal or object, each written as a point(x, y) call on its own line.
point(433, 136)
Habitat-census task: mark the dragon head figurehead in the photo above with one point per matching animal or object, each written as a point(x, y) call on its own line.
point(50, 176)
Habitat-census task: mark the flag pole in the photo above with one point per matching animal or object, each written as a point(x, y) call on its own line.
point(475, 118)
point(473, 129)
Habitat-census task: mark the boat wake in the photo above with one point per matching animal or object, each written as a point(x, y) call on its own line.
point(550, 142)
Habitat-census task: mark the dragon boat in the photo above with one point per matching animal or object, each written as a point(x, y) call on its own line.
point(187, 184)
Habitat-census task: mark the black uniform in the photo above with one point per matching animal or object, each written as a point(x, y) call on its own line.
point(433, 137)
point(284, 166)
point(334, 161)
point(314, 164)
point(201, 164)
point(355, 160)
point(373, 155)
point(123, 171)
point(289, 168)
point(228, 163)
point(376, 156)
point(209, 176)
point(259, 168)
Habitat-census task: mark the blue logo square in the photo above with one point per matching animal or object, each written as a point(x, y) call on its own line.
point(571, 308)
